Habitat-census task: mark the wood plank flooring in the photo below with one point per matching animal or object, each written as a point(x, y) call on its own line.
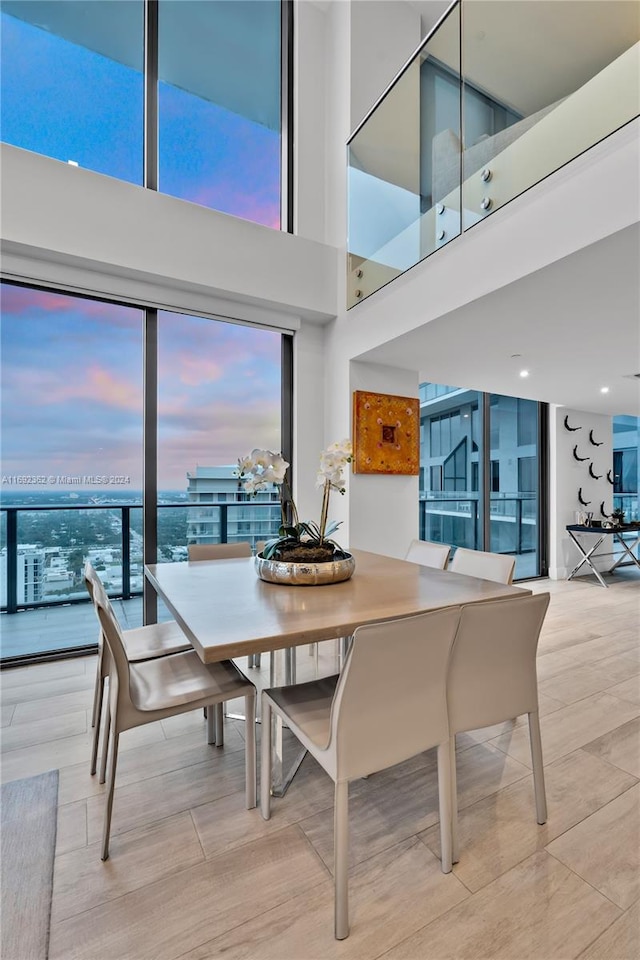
point(195, 876)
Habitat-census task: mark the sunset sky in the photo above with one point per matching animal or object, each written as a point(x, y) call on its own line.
point(71, 368)
point(71, 391)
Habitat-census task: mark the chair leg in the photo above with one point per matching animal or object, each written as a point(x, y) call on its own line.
point(250, 750)
point(454, 799)
point(341, 858)
point(538, 767)
point(265, 761)
point(97, 690)
point(97, 709)
point(219, 721)
point(105, 741)
point(444, 797)
point(109, 807)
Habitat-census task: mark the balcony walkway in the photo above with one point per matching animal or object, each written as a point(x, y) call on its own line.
point(60, 627)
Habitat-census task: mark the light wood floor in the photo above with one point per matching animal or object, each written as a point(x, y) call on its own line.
point(194, 875)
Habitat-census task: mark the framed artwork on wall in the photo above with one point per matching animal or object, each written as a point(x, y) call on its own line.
point(386, 433)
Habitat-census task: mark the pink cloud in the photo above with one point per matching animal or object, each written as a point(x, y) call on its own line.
point(100, 386)
point(18, 301)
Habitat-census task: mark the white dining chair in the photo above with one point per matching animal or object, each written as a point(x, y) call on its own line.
point(219, 551)
point(388, 704)
point(492, 678)
point(140, 643)
point(486, 566)
point(428, 554)
point(141, 693)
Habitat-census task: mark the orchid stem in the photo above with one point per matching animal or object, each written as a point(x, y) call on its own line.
point(325, 509)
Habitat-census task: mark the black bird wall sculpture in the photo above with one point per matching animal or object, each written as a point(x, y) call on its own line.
point(603, 513)
point(610, 478)
point(575, 454)
point(594, 442)
point(585, 503)
point(571, 429)
point(592, 474)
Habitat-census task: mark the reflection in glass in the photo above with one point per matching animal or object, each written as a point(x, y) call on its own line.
point(219, 105)
point(450, 491)
point(514, 504)
point(542, 83)
point(454, 507)
point(403, 182)
point(72, 82)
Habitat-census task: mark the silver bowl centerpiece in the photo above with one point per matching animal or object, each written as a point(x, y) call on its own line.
point(307, 573)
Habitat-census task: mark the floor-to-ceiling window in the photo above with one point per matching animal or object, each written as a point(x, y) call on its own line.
point(78, 473)
point(71, 455)
point(219, 397)
point(204, 94)
point(626, 465)
point(481, 469)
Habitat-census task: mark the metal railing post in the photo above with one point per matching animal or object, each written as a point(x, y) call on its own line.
point(126, 553)
point(12, 560)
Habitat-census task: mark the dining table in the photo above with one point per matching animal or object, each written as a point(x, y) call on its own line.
point(226, 611)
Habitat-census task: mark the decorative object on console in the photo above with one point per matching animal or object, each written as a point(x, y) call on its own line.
point(571, 429)
point(302, 554)
point(386, 432)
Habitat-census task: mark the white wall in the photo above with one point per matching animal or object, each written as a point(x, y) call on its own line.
point(383, 510)
point(122, 240)
point(567, 476)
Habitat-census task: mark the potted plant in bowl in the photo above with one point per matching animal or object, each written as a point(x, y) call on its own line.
point(303, 552)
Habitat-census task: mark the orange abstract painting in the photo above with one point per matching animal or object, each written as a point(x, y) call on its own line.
point(386, 433)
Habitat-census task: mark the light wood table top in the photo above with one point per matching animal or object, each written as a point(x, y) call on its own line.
point(227, 611)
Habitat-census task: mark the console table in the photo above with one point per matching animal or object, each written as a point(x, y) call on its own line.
point(601, 533)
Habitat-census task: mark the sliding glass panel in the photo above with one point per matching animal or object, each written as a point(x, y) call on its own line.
point(542, 83)
point(71, 450)
point(514, 493)
point(404, 168)
point(626, 466)
point(219, 105)
point(219, 397)
point(72, 82)
point(450, 466)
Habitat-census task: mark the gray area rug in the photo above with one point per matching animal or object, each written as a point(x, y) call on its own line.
point(28, 822)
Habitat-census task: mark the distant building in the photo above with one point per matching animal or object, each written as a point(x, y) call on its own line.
point(224, 512)
point(30, 574)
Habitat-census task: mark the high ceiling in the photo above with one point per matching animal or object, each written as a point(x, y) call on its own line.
point(575, 325)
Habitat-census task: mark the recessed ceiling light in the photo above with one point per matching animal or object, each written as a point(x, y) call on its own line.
point(524, 373)
point(604, 389)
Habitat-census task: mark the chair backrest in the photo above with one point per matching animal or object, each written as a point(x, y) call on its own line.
point(390, 701)
point(492, 675)
point(428, 554)
point(219, 551)
point(485, 566)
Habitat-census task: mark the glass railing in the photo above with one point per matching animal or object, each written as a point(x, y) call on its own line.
point(497, 97)
point(43, 548)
